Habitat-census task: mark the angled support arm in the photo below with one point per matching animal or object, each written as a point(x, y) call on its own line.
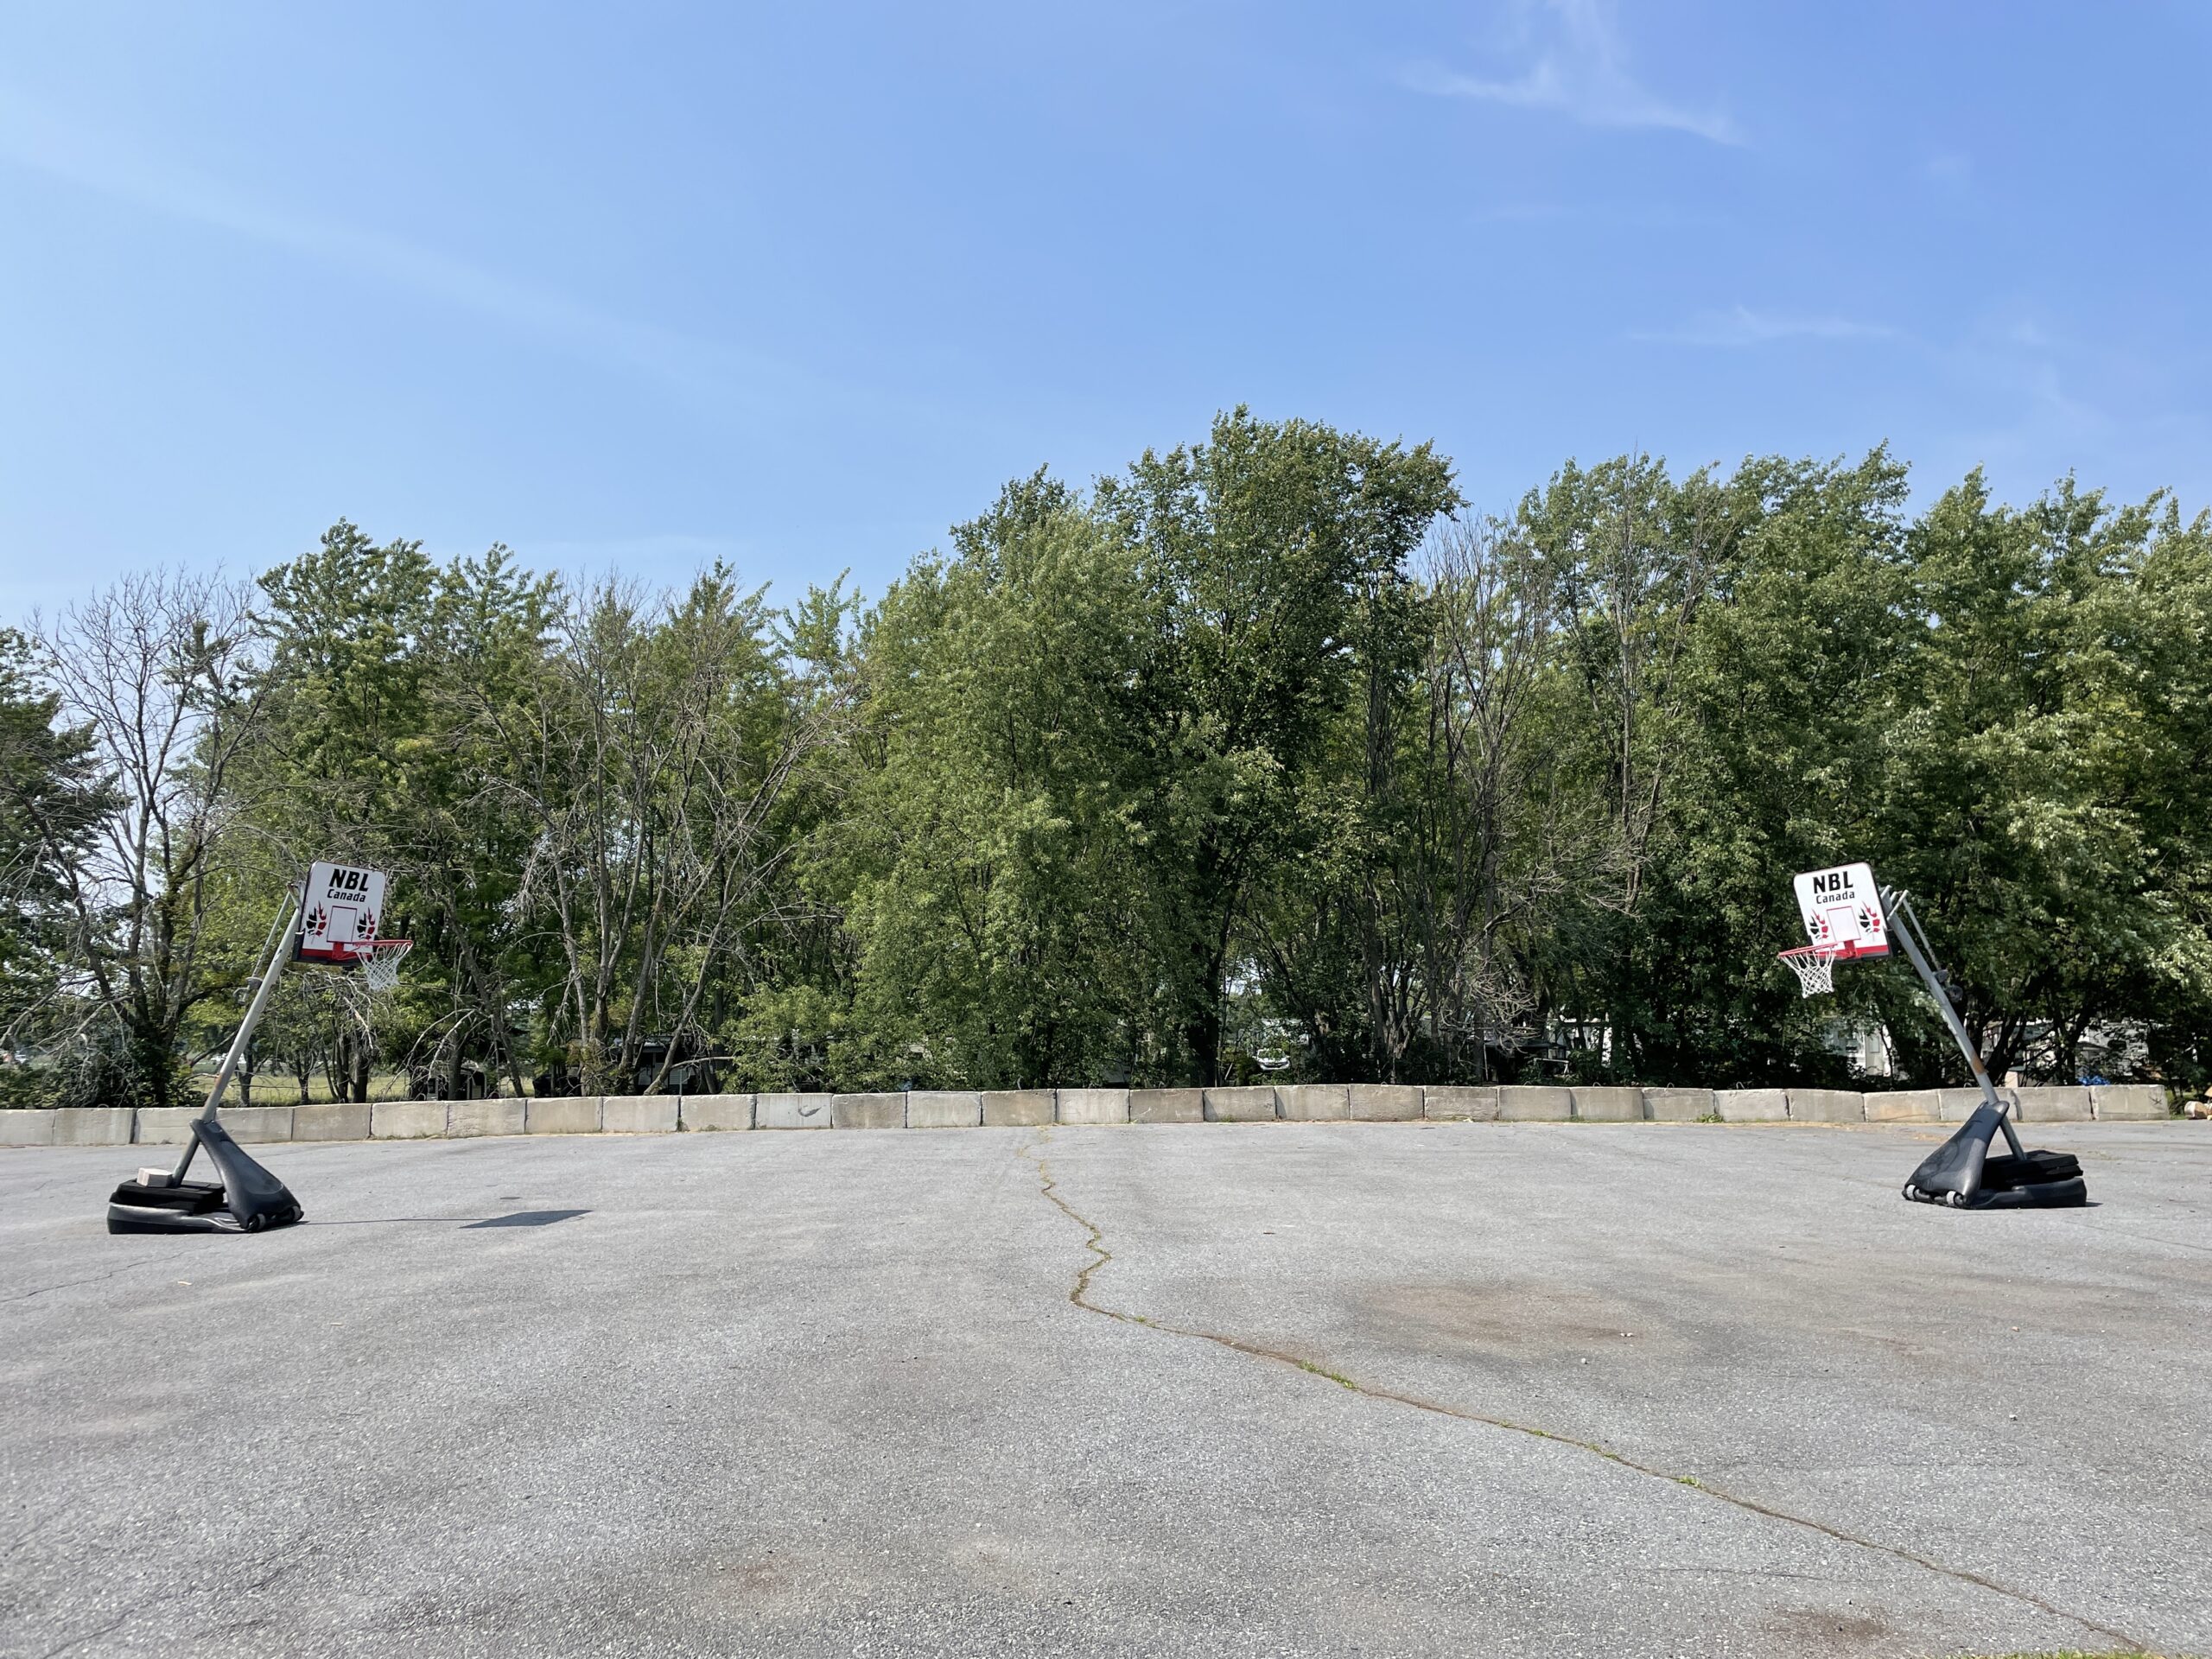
point(272, 964)
point(1897, 905)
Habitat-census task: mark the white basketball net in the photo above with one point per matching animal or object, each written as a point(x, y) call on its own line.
point(1814, 966)
point(380, 967)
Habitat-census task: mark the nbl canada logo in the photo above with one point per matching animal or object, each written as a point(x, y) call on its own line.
point(339, 911)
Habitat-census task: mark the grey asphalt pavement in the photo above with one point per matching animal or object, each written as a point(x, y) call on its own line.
point(1266, 1389)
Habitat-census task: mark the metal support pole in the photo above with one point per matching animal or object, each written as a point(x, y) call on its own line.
point(272, 964)
point(1906, 926)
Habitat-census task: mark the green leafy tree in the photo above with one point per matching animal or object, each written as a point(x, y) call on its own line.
point(51, 809)
point(374, 751)
point(1000, 816)
point(1267, 557)
point(2035, 803)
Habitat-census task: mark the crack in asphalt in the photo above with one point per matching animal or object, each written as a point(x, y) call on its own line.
point(92, 1278)
point(92, 1635)
point(1080, 1294)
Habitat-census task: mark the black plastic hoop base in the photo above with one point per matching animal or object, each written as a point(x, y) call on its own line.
point(1962, 1175)
point(254, 1199)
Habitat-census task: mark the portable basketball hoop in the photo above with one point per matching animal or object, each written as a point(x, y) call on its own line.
point(1848, 917)
point(331, 920)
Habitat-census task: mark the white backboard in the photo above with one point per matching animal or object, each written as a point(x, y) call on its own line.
point(1843, 907)
point(340, 909)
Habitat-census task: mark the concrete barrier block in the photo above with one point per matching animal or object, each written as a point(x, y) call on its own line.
point(1017, 1109)
point(338, 1120)
point(32, 1128)
point(1254, 1105)
point(1956, 1105)
point(1534, 1103)
point(1826, 1106)
point(258, 1123)
point(944, 1109)
point(561, 1114)
point(2049, 1104)
point(171, 1126)
point(637, 1115)
point(505, 1114)
point(94, 1126)
point(1902, 1106)
point(707, 1112)
point(1751, 1105)
point(1679, 1105)
point(1313, 1102)
point(790, 1111)
point(1167, 1105)
point(1385, 1102)
point(406, 1120)
point(1476, 1102)
point(164, 1126)
point(1091, 1105)
point(2129, 1101)
point(882, 1110)
point(1608, 1105)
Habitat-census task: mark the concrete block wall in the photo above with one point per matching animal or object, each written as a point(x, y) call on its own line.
point(1474, 1102)
point(786, 1111)
point(27, 1129)
point(1679, 1105)
point(1017, 1109)
point(561, 1114)
point(1166, 1105)
point(171, 1126)
point(1956, 1105)
point(1609, 1105)
point(2128, 1101)
point(403, 1120)
point(1092, 1105)
point(869, 1111)
point(1313, 1102)
point(407, 1120)
point(1903, 1106)
point(337, 1121)
point(1751, 1105)
point(2054, 1105)
point(944, 1109)
point(706, 1113)
point(1826, 1106)
point(474, 1117)
point(1244, 1105)
point(637, 1115)
point(1534, 1103)
point(1385, 1102)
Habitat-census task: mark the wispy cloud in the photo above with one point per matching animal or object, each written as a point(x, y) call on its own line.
point(109, 167)
point(1739, 326)
point(1581, 72)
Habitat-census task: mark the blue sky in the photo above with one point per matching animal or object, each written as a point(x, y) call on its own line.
point(638, 287)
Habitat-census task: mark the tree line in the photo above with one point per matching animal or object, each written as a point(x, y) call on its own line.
point(1263, 756)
